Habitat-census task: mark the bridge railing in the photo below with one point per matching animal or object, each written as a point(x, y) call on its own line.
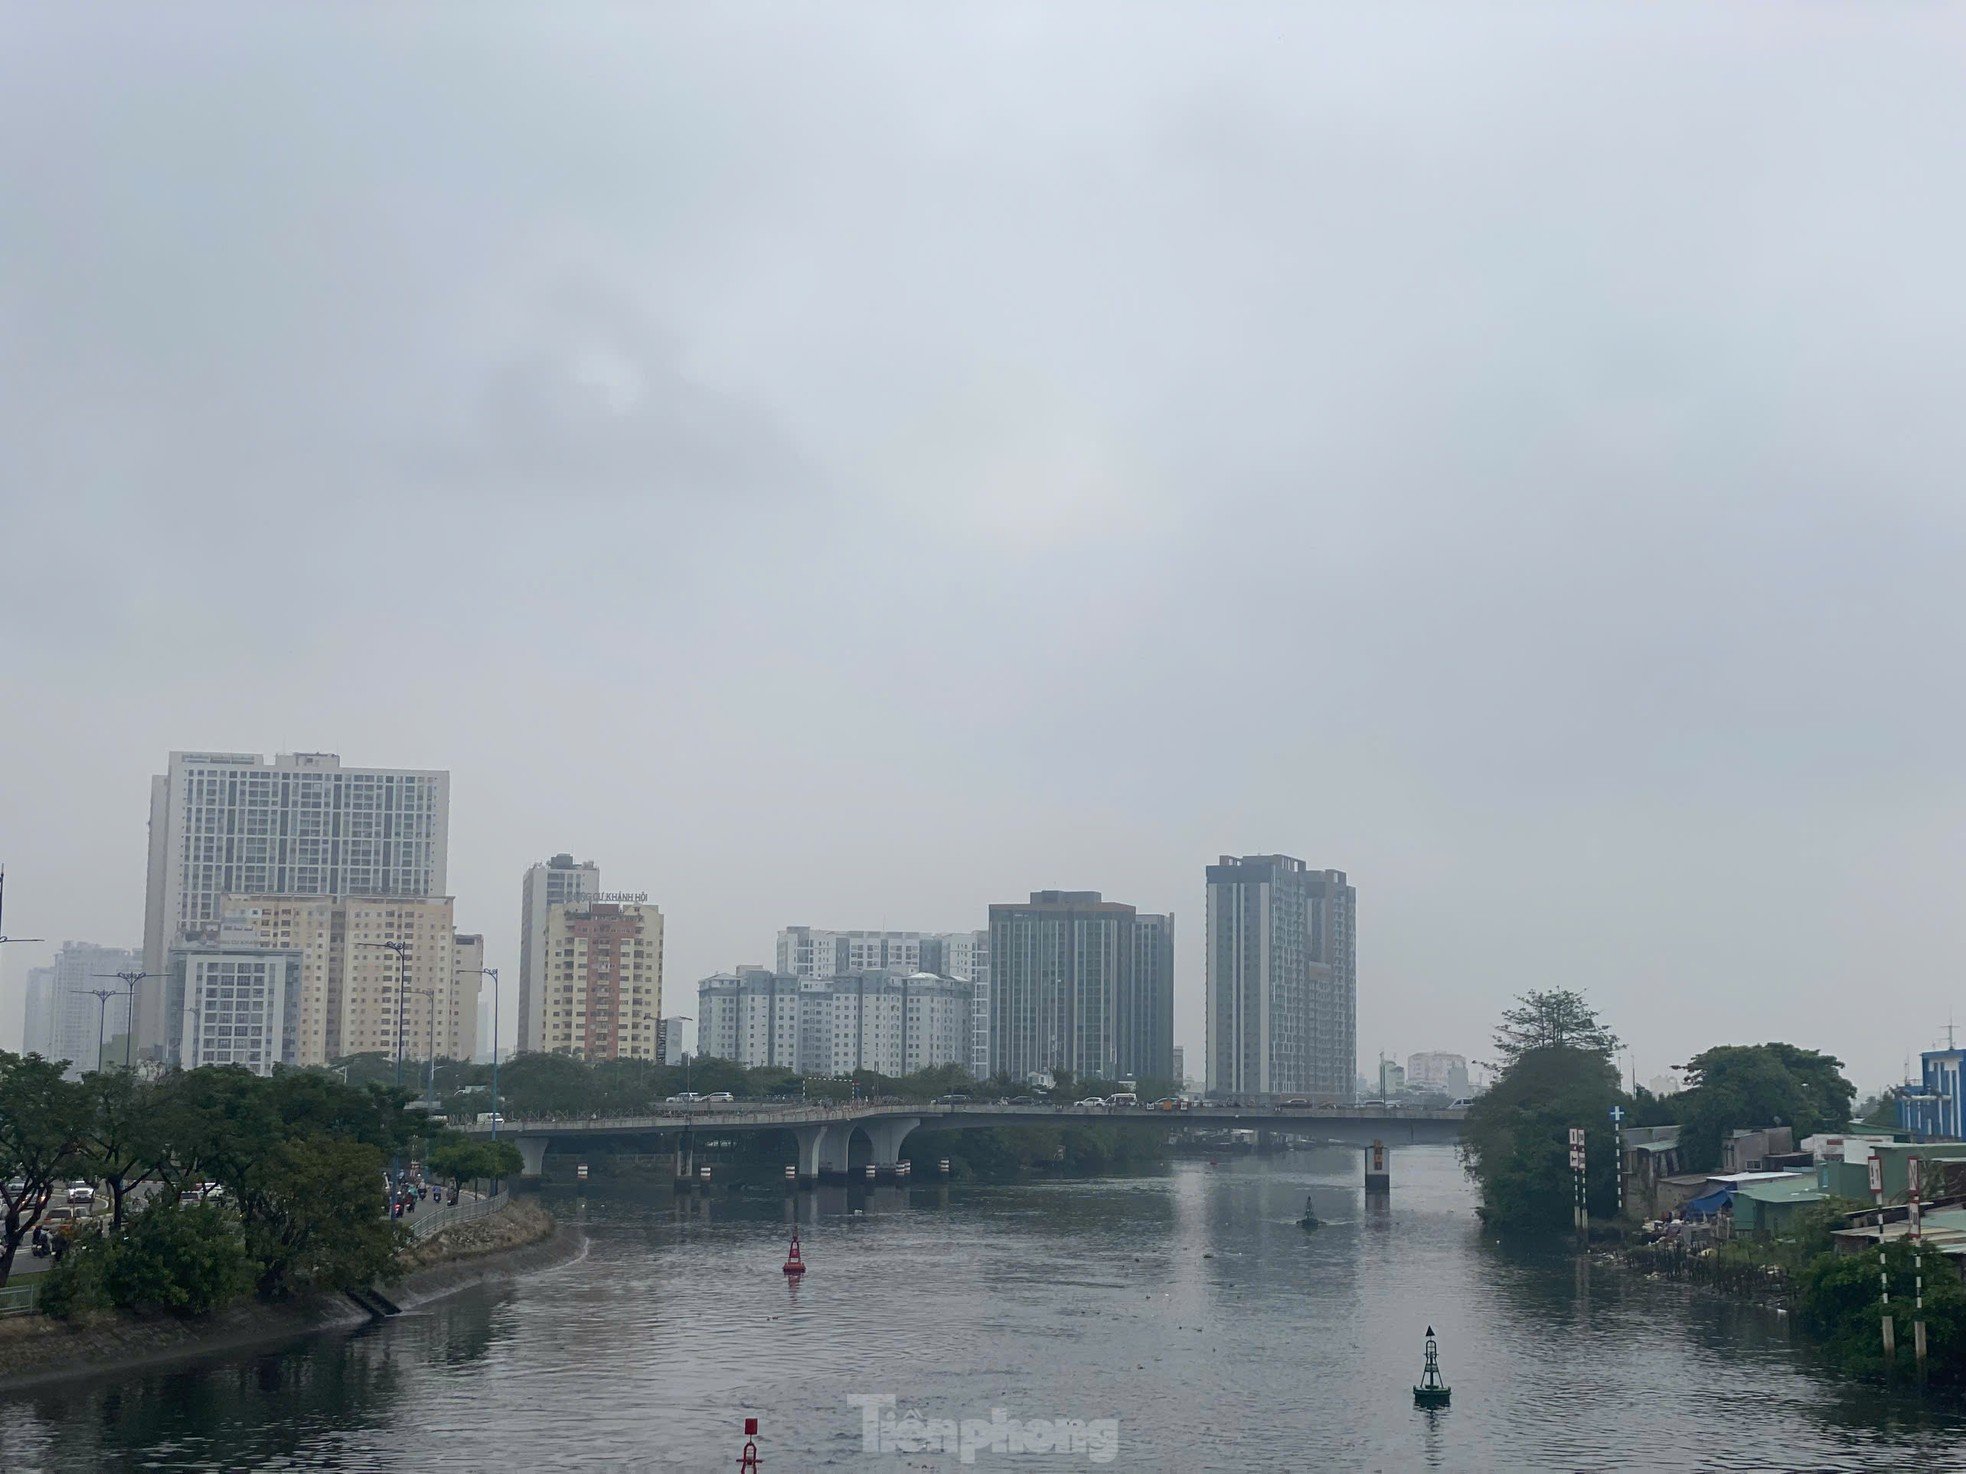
point(809, 1113)
point(440, 1216)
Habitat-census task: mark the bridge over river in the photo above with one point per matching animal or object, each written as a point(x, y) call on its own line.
point(825, 1132)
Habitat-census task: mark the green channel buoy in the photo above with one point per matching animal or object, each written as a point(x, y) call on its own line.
point(1432, 1392)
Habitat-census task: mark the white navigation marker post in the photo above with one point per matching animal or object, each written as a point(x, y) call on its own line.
point(1915, 1181)
point(1883, 1278)
point(1618, 1130)
point(1577, 1171)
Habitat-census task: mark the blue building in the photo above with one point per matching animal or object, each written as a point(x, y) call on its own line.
point(1930, 1110)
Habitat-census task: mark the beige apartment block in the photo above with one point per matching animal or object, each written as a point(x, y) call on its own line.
point(603, 981)
point(353, 998)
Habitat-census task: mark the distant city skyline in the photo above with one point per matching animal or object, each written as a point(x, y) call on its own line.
point(864, 471)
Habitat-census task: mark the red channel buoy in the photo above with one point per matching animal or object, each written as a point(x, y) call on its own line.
point(748, 1462)
point(794, 1265)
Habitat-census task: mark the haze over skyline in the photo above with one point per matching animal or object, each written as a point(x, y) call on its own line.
point(852, 466)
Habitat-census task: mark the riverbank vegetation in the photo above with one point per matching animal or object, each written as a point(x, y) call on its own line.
point(221, 1183)
point(1556, 1071)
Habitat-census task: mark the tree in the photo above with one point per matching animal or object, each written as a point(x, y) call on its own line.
point(1556, 1019)
point(185, 1260)
point(1751, 1085)
point(460, 1159)
point(1837, 1301)
point(1878, 1111)
point(319, 1222)
point(122, 1143)
point(1516, 1140)
point(40, 1117)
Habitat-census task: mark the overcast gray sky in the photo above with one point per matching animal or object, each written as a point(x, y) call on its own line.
point(851, 464)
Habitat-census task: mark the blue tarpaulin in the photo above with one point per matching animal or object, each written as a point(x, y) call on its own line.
point(1709, 1204)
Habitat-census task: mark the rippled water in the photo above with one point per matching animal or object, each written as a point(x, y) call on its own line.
point(1187, 1305)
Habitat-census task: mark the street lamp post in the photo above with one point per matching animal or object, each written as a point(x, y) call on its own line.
point(130, 981)
point(102, 997)
point(402, 951)
point(492, 973)
point(4, 938)
point(430, 1071)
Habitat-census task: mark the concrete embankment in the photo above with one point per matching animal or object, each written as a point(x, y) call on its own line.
point(521, 1239)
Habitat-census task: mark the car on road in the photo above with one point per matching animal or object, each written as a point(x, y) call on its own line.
point(1169, 1103)
point(686, 1097)
point(81, 1195)
point(1123, 1098)
point(1093, 1100)
point(717, 1097)
point(955, 1099)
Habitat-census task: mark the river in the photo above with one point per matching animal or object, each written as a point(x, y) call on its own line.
point(1182, 1318)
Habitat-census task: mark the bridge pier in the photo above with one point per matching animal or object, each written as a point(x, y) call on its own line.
point(886, 1136)
point(812, 1151)
point(532, 1152)
point(1378, 1168)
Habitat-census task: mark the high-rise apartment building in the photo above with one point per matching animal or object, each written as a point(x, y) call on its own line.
point(473, 988)
point(557, 882)
point(1281, 981)
point(37, 1035)
point(1061, 977)
point(87, 1003)
point(1438, 1071)
point(886, 1020)
point(240, 1004)
point(602, 995)
point(370, 967)
point(812, 952)
point(233, 824)
point(1146, 1015)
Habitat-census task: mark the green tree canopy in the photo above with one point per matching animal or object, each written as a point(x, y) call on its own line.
point(1554, 1019)
point(122, 1134)
point(1516, 1139)
point(42, 1117)
point(1745, 1086)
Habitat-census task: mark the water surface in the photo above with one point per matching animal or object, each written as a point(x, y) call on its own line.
point(1186, 1305)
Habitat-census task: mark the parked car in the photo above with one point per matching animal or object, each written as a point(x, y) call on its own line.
point(1093, 1100)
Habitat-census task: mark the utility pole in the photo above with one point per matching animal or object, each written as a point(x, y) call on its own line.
point(402, 950)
